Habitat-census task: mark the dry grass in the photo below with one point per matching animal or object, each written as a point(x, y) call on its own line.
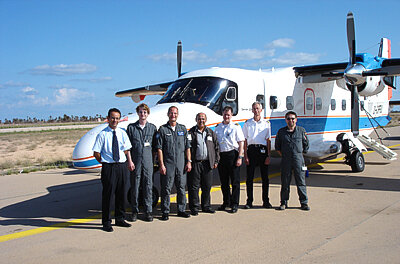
point(30, 151)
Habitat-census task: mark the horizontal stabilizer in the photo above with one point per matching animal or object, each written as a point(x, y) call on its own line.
point(155, 89)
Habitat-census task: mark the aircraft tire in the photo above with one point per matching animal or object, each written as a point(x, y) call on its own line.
point(357, 161)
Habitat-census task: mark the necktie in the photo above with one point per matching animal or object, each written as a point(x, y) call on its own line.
point(115, 148)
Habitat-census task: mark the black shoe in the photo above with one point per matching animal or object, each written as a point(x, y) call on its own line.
point(132, 218)
point(122, 223)
point(305, 207)
point(209, 210)
point(221, 207)
point(148, 217)
point(267, 205)
point(108, 228)
point(165, 217)
point(248, 206)
point(282, 207)
point(194, 212)
point(234, 209)
point(183, 214)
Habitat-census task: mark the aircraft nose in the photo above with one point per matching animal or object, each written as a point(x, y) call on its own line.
point(82, 157)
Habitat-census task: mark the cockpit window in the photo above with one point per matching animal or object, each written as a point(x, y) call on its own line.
point(207, 91)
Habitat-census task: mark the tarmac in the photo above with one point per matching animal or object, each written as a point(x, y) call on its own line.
point(54, 217)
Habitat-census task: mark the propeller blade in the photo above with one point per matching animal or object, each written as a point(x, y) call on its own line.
point(351, 38)
point(179, 58)
point(355, 110)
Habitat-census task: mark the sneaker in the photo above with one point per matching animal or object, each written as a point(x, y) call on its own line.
point(305, 207)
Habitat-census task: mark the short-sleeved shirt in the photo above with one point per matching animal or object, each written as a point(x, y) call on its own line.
point(103, 144)
point(257, 132)
point(229, 136)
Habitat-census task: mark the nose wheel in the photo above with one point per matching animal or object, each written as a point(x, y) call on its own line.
point(353, 157)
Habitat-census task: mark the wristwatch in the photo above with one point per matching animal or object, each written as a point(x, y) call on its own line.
point(241, 157)
point(189, 160)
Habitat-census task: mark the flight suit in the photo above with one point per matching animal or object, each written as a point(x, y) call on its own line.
point(173, 145)
point(292, 145)
point(143, 144)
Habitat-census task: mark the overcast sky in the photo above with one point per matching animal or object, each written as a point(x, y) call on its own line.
point(70, 57)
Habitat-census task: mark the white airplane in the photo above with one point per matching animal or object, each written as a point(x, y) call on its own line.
point(338, 104)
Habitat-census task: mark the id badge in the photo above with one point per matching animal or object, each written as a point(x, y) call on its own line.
point(262, 151)
point(147, 144)
point(209, 138)
point(304, 168)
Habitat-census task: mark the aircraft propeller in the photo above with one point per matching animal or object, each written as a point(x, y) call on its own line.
point(179, 58)
point(353, 75)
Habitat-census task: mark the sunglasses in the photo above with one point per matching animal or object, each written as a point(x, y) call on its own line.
point(293, 118)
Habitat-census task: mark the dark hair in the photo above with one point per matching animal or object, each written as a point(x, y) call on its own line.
point(144, 106)
point(227, 108)
point(290, 113)
point(113, 110)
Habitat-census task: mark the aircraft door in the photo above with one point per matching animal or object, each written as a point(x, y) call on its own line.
point(309, 102)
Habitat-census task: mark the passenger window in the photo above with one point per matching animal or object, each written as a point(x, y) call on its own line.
point(289, 102)
point(260, 99)
point(318, 103)
point(309, 103)
point(273, 102)
point(344, 104)
point(333, 104)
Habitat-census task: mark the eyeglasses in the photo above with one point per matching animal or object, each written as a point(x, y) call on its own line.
point(291, 118)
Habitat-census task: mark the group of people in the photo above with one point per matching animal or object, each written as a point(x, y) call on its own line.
point(188, 157)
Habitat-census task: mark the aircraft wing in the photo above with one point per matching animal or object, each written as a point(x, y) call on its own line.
point(390, 67)
point(320, 72)
point(138, 94)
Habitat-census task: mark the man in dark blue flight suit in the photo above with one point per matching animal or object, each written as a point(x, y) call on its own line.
point(172, 147)
point(291, 142)
point(142, 135)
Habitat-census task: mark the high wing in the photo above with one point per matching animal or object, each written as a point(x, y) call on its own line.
point(321, 72)
point(138, 94)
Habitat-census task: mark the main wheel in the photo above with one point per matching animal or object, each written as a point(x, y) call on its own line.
point(357, 161)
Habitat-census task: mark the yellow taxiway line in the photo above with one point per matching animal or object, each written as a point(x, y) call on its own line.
point(98, 216)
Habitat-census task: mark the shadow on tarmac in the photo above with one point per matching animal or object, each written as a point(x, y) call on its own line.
point(80, 200)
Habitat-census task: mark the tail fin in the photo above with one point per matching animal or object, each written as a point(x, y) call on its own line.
point(385, 49)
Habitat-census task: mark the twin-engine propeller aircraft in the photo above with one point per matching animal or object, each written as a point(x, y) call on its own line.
point(338, 104)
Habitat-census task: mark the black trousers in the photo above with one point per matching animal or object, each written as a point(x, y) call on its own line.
point(256, 158)
point(228, 170)
point(200, 175)
point(113, 179)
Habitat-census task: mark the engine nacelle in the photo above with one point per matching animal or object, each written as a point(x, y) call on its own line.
point(372, 86)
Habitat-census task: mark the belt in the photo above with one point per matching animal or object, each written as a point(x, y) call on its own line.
point(257, 145)
point(201, 160)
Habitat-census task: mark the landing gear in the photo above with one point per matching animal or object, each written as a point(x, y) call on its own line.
point(357, 161)
point(353, 157)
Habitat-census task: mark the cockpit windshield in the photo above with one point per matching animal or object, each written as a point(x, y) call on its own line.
point(207, 91)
